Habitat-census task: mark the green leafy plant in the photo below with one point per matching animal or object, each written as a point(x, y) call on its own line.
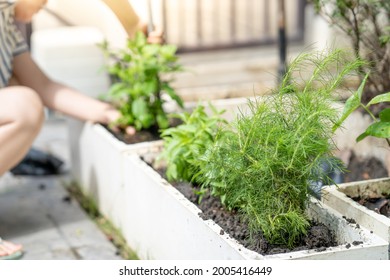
point(264, 163)
point(367, 24)
point(380, 127)
point(187, 142)
point(140, 78)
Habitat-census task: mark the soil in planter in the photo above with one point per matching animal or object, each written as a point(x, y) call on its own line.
point(319, 236)
point(145, 135)
point(364, 170)
point(381, 205)
point(151, 134)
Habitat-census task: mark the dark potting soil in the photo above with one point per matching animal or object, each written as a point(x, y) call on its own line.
point(140, 136)
point(359, 170)
point(319, 236)
point(145, 135)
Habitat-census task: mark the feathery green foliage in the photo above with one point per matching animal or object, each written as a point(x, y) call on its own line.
point(138, 83)
point(264, 164)
point(187, 142)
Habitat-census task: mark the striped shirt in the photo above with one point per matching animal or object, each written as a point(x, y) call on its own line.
point(12, 42)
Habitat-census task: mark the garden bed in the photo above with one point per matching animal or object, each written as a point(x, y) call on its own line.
point(164, 224)
point(102, 165)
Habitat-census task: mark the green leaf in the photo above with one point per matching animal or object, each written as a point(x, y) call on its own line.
point(150, 87)
point(385, 97)
point(140, 39)
point(384, 115)
point(139, 107)
point(188, 128)
point(116, 89)
point(172, 172)
point(378, 129)
point(150, 50)
point(162, 121)
point(126, 120)
point(147, 120)
point(138, 124)
point(168, 51)
point(171, 92)
point(352, 103)
point(361, 87)
point(361, 136)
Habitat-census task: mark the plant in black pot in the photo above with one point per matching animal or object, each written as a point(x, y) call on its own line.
point(142, 82)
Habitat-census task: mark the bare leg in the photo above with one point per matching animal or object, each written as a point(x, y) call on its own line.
point(21, 117)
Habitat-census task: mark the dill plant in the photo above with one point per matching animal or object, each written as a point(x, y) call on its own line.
point(264, 163)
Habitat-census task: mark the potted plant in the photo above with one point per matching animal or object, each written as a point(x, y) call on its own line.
point(261, 166)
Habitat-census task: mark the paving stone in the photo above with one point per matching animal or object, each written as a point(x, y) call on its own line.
point(37, 212)
point(48, 226)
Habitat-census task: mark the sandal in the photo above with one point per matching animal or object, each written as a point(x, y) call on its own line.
point(12, 251)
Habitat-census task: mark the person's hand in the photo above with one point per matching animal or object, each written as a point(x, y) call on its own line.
point(156, 36)
point(26, 9)
point(111, 116)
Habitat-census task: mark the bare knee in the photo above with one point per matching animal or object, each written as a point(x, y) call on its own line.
point(23, 106)
point(31, 113)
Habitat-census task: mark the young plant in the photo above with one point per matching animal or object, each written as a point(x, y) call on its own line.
point(139, 74)
point(263, 166)
point(187, 142)
point(380, 128)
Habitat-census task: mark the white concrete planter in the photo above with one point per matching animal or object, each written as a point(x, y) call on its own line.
point(97, 166)
point(163, 224)
point(97, 159)
point(158, 222)
point(338, 198)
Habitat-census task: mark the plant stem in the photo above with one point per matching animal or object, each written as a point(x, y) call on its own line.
point(369, 112)
point(374, 118)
